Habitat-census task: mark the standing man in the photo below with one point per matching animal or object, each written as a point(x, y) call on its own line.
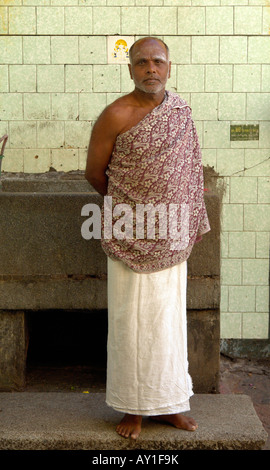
point(144, 153)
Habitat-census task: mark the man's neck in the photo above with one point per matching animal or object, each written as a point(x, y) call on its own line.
point(148, 100)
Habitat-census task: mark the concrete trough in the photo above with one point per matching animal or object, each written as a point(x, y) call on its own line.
point(46, 264)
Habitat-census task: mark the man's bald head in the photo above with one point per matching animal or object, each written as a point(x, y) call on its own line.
point(145, 40)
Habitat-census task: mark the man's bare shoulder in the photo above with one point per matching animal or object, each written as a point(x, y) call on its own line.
point(122, 106)
point(124, 101)
point(117, 114)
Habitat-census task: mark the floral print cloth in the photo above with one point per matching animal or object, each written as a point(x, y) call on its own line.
point(156, 164)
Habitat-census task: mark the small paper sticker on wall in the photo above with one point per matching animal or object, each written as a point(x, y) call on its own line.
point(118, 49)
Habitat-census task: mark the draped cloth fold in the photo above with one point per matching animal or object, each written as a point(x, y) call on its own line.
point(157, 164)
point(147, 367)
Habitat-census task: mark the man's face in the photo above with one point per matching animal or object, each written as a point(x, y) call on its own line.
point(150, 66)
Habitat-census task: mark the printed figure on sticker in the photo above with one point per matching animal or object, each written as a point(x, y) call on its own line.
point(120, 50)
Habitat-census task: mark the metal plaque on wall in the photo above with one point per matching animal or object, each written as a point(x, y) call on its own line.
point(244, 132)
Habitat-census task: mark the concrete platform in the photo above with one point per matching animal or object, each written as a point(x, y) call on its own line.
point(82, 421)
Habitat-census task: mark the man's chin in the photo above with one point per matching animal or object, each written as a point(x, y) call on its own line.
point(152, 89)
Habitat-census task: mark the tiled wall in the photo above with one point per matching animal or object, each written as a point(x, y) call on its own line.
point(55, 80)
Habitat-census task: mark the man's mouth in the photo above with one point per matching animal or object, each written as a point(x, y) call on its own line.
point(151, 79)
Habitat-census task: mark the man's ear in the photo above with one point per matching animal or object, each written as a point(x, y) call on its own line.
point(130, 72)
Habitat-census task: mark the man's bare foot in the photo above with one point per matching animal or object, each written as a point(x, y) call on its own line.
point(177, 420)
point(130, 426)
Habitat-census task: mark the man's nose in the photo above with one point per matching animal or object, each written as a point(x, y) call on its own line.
point(151, 67)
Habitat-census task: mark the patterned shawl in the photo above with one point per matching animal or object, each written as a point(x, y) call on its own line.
point(156, 162)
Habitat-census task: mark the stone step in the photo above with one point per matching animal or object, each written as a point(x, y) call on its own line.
point(83, 421)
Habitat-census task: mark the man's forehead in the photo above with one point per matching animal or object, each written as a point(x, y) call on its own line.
point(149, 47)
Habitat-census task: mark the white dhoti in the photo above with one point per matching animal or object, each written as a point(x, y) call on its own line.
point(147, 366)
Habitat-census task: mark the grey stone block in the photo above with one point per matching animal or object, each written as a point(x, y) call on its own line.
point(203, 293)
point(13, 346)
point(41, 235)
point(77, 421)
point(51, 293)
point(203, 349)
point(205, 257)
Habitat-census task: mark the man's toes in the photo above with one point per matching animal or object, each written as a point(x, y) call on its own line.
point(122, 431)
point(192, 425)
point(134, 434)
point(127, 432)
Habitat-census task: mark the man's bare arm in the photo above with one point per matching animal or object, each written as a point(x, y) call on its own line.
point(99, 153)
point(103, 137)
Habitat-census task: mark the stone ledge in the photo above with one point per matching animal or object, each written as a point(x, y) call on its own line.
point(78, 421)
point(89, 292)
